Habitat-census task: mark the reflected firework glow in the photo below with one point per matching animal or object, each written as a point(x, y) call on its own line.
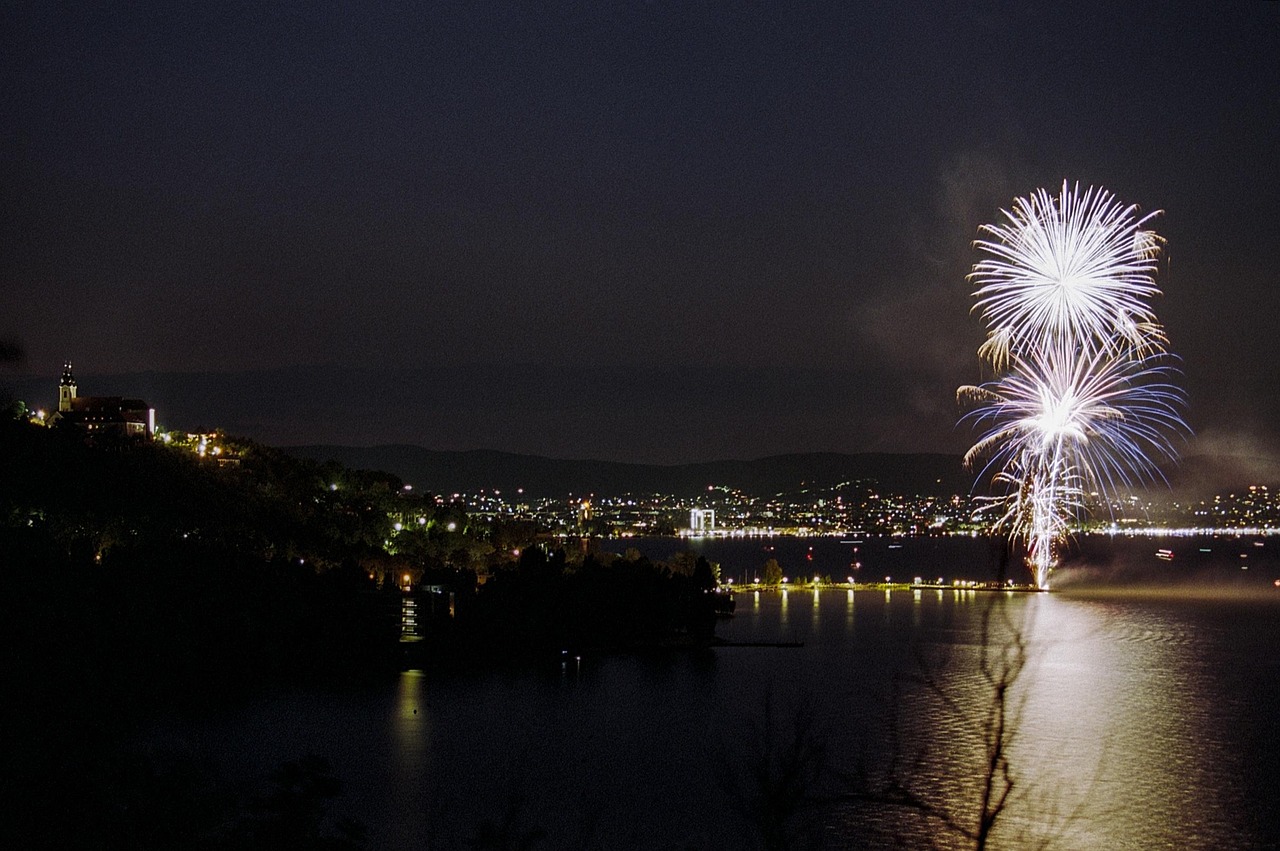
point(1084, 397)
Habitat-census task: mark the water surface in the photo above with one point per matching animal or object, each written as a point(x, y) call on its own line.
point(1142, 719)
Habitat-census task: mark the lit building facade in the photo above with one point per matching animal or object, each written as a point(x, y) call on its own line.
point(106, 415)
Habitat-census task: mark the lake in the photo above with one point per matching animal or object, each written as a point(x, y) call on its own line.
point(1144, 717)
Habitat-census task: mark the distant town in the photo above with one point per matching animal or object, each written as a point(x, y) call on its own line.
point(854, 508)
point(849, 508)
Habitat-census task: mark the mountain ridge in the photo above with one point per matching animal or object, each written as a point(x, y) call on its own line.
point(474, 470)
point(940, 474)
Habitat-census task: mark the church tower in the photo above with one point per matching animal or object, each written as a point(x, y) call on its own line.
point(66, 388)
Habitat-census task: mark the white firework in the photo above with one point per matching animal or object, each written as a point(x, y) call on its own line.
point(1079, 266)
point(1085, 397)
point(1112, 419)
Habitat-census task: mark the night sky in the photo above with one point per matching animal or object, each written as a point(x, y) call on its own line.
point(668, 231)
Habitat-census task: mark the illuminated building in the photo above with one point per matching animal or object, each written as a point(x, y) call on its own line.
point(113, 415)
point(702, 521)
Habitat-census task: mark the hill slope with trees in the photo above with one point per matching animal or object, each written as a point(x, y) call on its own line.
point(476, 470)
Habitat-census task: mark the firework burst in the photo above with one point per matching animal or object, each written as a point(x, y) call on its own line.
point(1085, 396)
point(1077, 266)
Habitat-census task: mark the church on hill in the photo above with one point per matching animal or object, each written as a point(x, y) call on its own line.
point(114, 415)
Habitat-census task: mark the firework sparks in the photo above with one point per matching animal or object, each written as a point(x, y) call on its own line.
point(1084, 398)
point(1079, 267)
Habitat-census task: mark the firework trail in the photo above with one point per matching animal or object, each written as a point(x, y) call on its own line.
point(1084, 397)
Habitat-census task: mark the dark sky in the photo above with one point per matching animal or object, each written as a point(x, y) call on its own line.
point(666, 231)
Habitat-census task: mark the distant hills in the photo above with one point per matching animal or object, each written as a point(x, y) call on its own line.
point(925, 474)
point(472, 471)
point(1205, 475)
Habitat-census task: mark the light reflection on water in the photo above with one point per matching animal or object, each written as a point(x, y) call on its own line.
point(1064, 710)
point(1124, 708)
point(410, 724)
point(1133, 714)
point(1141, 723)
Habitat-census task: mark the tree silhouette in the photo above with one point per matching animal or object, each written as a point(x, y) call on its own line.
point(780, 788)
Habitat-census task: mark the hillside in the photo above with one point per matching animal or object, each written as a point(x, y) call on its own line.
point(476, 470)
point(1201, 476)
point(472, 471)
